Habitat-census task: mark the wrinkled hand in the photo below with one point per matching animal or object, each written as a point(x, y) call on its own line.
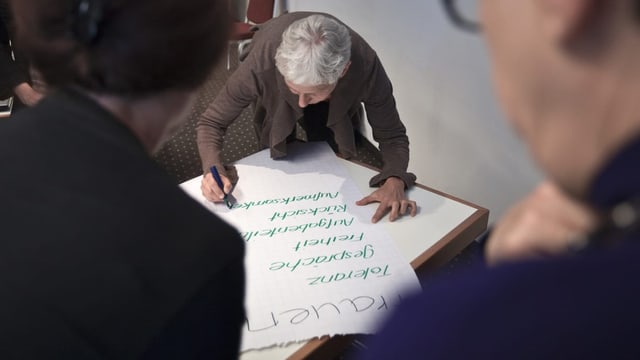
point(27, 94)
point(391, 197)
point(210, 189)
point(546, 222)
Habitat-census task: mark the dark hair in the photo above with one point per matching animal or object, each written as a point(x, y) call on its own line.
point(128, 47)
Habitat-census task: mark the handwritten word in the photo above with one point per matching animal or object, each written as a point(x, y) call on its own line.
point(313, 197)
point(327, 311)
point(366, 253)
point(353, 274)
point(328, 241)
point(321, 224)
point(314, 211)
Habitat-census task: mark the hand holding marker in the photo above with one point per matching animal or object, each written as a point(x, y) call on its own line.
point(216, 177)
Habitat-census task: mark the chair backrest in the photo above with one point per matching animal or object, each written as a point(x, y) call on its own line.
point(259, 11)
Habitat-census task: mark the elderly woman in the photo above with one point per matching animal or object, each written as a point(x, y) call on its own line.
point(308, 73)
point(102, 256)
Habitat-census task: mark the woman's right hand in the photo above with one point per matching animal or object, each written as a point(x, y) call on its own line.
point(210, 188)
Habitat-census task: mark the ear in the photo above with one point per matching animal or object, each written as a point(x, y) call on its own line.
point(564, 20)
point(346, 67)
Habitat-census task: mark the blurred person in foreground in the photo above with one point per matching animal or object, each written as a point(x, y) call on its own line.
point(567, 75)
point(16, 76)
point(308, 75)
point(101, 254)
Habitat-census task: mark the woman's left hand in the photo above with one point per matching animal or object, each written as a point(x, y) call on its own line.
point(391, 198)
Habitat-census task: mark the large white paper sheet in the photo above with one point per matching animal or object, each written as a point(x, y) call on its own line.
point(315, 264)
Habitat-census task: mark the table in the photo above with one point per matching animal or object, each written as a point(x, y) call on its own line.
point(443, 227)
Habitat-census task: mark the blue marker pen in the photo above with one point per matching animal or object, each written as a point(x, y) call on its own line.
point(216, 177)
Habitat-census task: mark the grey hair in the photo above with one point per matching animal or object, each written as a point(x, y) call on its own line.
point(314, 51)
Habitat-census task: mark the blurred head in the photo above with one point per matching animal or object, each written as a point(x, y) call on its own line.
point(566, 73)
point(119, 47)
point(313, 55)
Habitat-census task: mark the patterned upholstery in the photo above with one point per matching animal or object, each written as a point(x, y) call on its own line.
point(180, 158)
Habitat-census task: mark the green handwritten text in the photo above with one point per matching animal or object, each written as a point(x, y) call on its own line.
point(320, 224)
point(329, 240)
point(366, 252)
point(286, 200)
point(311, 211)
point(353, 274)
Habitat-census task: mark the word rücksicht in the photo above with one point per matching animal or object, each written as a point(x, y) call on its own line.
point(331, 209)
point(286, 200)
point(366, 252)
point(322, 224)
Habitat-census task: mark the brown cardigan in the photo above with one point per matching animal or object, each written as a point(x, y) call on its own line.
point(257, 80)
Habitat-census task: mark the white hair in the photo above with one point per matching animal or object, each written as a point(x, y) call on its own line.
point(314, 51)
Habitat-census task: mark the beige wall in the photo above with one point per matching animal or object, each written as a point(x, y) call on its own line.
point(459, 141)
